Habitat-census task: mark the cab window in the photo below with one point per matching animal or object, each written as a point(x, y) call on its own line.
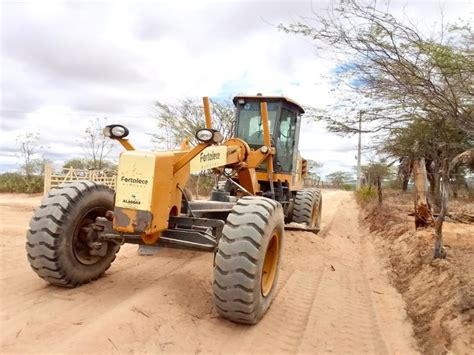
point(250, 127)
point(285, 141)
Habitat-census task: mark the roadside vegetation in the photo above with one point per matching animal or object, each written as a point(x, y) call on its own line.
point(410, 90)
point(31, 152)
point(29, 178)
point(19, 183)
point(365, 194)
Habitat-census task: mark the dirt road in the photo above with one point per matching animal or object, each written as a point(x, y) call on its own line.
point(333, 297)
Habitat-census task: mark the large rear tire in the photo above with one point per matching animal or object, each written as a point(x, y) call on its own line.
point(307, 208)
point(56, 245)
point(247, 260)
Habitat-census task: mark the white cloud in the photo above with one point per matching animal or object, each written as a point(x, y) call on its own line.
point(65, 63)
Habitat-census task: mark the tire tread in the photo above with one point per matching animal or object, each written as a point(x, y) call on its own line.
point(303, 205)
point(45, 229)
point(236, 271)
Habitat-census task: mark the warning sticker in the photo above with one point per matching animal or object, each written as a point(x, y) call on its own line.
point(211, 157)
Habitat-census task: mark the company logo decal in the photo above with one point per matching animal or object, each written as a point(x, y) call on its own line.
point(211, 157)
point(208, 156)
point(134, 180)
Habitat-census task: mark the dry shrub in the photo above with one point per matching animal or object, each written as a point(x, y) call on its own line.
point(365, 194)
point(14, 182)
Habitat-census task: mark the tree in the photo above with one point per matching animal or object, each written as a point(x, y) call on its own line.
point(313, 166)
point(180, 121)
point(434, 141)
point(30, 153)
point(374, 173)
point(339, 178)
point(96, 146)
point(80, 163)
point(409, 77)
point(75, 163)
point(466, 158)
point(401, 72)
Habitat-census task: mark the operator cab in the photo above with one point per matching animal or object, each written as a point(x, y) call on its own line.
point(284, 117)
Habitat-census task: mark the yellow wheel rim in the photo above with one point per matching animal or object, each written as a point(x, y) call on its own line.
point(270, 263)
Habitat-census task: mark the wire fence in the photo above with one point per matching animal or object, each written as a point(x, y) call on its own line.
point(310, 182)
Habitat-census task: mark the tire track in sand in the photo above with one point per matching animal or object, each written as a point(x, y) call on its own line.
point(343, 318)
point(97, 297)
point(324, 302)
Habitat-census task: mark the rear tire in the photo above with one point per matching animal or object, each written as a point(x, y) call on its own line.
point(247, 260)
point(57, 250)
point(307, 208)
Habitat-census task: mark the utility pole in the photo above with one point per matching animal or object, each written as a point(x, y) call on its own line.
point(358, 183)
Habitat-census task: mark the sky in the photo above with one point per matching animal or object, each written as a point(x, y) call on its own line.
point(64, 63)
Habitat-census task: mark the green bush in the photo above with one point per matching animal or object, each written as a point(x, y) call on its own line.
point(348, 187)
point(366, 194)
point(14, 182)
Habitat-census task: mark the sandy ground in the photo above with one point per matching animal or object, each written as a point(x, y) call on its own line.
point(334, 297)
point(439, 293)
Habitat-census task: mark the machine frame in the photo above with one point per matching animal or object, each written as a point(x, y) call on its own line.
point(162, 224)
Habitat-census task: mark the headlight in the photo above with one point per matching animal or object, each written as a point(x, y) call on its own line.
point(116, 131)
point(206, 135)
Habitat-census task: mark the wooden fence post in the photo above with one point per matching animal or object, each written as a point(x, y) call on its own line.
point(48, 171)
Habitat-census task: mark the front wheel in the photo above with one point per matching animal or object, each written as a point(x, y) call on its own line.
point(247, 260)
point(58, 247)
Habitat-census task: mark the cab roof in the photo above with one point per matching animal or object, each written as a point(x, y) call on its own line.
point(261, 98)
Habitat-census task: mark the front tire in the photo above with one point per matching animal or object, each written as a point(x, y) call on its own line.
point(57, 249)
point(247, 260)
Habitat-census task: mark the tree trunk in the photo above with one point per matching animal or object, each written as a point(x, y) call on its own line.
point(434, 178)
point(405, 181)
point(439, 252)
point(379, 189)
point(423, 216)
point(437, 189)
point(455, 187)
point(405, 169)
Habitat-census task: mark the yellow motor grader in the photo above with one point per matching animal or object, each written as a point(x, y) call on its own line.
point(78, 229)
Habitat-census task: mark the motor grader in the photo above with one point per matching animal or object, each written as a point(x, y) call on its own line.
point(78, 229)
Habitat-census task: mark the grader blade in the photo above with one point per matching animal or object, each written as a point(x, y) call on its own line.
point(301, 227)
